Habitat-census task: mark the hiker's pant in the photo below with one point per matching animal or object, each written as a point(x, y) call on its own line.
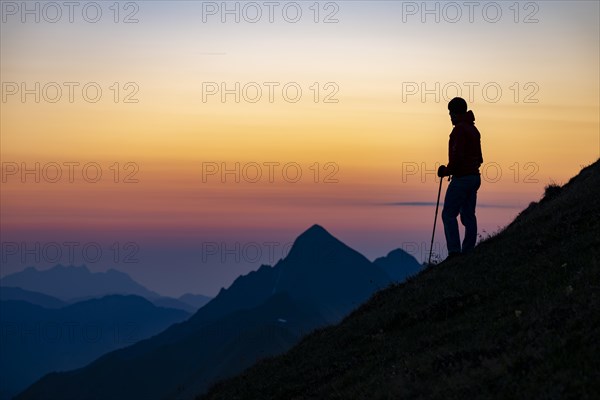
point(461, 198)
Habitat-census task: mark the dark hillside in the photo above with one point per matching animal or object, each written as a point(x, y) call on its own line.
point(518, 318)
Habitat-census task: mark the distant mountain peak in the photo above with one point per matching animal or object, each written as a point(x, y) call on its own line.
point(313, 242)
point(316, 233)
point(75, 282)
point(316, 229)
point(398, 264)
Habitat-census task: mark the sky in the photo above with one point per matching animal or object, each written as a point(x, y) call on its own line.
point(188, 142)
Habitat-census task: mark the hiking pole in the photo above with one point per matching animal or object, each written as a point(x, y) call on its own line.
point(437, 206)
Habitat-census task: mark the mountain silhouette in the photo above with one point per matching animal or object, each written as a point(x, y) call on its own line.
point(73, 284)
point(517, 318)
point(37, 340)
point(318, 283)
point(316, 244)
point(319, 269)
point(398, 264)
point(253, 334)
point(322, 271)
point(40, 299)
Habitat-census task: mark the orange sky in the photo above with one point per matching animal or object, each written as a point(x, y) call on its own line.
point(373, 141)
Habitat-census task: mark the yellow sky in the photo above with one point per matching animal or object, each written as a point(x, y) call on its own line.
point(372, 65)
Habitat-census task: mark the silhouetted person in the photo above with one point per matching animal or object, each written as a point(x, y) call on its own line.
point(464, 159)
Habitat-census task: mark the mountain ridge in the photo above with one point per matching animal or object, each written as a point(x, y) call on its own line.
point(71, 284)
point(398, 264)
point(56, 281)
point(36, 340)
point(318, 262)
point(40, 299)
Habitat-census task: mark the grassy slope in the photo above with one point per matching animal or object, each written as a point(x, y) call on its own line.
point(518, 318)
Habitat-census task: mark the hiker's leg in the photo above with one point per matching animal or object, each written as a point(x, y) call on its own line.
point(467, 213)
point(452, 203)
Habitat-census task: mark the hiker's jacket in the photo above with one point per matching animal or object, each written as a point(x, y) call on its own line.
point(464, 147)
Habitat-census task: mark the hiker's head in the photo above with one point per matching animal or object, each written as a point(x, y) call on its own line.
point(457, 106)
